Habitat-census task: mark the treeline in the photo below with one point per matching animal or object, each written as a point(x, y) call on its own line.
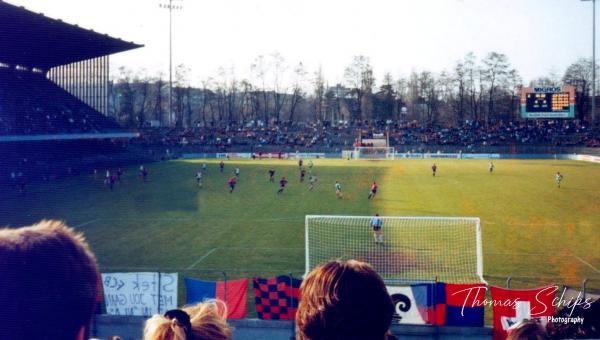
point(483, 90)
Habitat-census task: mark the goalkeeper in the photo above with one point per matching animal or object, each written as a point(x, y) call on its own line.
point(377, 224)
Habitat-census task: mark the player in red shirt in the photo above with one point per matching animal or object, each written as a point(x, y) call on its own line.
point(433, 169)
point(221, 166)
point(302, 174)
point(232, 181)
point(282, 184)
point(373, 190)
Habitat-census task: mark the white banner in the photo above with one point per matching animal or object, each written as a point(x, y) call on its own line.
point(406, 310)
point(143, 293)
point(588, 158)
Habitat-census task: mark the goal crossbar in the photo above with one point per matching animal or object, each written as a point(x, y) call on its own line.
point(414, 248)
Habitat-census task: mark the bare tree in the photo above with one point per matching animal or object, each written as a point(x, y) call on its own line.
point(460, 81)
point(156, 99)
point(141, 89)
point(297, 89)
point(259, 68)
point(206, 97)
point(319, 94)
point(579, 74)
point(473, 86)
point(428, 92)
point(401, 90)
point(247, 111)
point(279, 68)
point(495, 69)
point(125, 97)
point(359, 77)
point(181, 83)
point(385, 99)
point(514, 84)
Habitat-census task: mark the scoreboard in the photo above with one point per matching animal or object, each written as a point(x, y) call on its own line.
point(548, 102)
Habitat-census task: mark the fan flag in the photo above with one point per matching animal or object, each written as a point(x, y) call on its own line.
point(442, 304)
point(412, 304)
point(276, 298)
point(459, 304)
point(234, 293)
point(512, 306)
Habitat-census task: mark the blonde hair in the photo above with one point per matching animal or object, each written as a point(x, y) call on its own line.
point(206, 318)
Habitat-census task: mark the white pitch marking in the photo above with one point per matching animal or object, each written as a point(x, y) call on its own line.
point(201, 258)
point(586, 263)
point(86, 223)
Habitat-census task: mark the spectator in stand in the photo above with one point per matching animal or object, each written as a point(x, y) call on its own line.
point(48, 283)
point(527, 330)
point(343, 300)
point(204, 320)
point(588, 329)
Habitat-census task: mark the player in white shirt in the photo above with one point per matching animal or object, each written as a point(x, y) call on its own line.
point(199, 178)
point(312, 180)
point(377, 224)
point(558, 178)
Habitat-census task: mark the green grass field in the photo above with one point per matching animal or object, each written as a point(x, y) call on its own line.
point(532, 230)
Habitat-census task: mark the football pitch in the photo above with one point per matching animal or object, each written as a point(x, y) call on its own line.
point(531, 230)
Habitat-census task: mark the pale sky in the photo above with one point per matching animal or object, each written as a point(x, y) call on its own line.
point(538, 36)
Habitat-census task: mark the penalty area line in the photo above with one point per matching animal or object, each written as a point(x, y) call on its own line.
point(586, 263)
point(201, 258)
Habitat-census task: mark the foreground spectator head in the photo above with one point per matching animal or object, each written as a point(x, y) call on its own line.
point(343, 300)
point(527, 330)
point(589, 329)
point(204, 320)
point(48, 282)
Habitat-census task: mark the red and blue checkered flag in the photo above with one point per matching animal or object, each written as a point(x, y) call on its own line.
point(276, 298)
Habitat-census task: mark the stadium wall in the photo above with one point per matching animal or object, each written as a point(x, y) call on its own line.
point(131, 327)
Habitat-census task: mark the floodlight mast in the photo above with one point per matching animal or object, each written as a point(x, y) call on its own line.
point(170, 7)
point(593, 60)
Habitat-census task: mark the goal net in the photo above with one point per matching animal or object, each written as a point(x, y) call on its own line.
point(374, 152)
point(414, 249)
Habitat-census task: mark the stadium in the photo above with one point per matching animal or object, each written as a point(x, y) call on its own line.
point(238, 191)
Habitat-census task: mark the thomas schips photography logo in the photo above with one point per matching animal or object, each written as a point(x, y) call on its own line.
point(536, 305)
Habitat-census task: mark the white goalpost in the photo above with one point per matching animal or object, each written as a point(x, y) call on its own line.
point(375, 146)
point(374, 152)
point(414, 249)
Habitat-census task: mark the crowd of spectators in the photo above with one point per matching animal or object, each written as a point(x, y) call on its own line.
point(319, 137)
point(337, 300)
point(32, 104)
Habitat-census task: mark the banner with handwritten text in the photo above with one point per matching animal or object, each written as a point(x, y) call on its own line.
point(143, 293)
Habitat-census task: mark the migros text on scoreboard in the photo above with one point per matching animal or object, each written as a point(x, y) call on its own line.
point(547, 89)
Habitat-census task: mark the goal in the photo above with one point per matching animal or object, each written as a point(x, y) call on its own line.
point(414, 249)
point(374, 152)
point(371, 145)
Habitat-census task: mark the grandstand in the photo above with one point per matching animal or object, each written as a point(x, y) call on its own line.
point(53, 91)
point(53, 77)
point(55, 122)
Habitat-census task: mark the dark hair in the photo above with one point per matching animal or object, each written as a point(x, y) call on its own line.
point(343, 300)
point(48, 282)
point(527, 330)
point(590, 328)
